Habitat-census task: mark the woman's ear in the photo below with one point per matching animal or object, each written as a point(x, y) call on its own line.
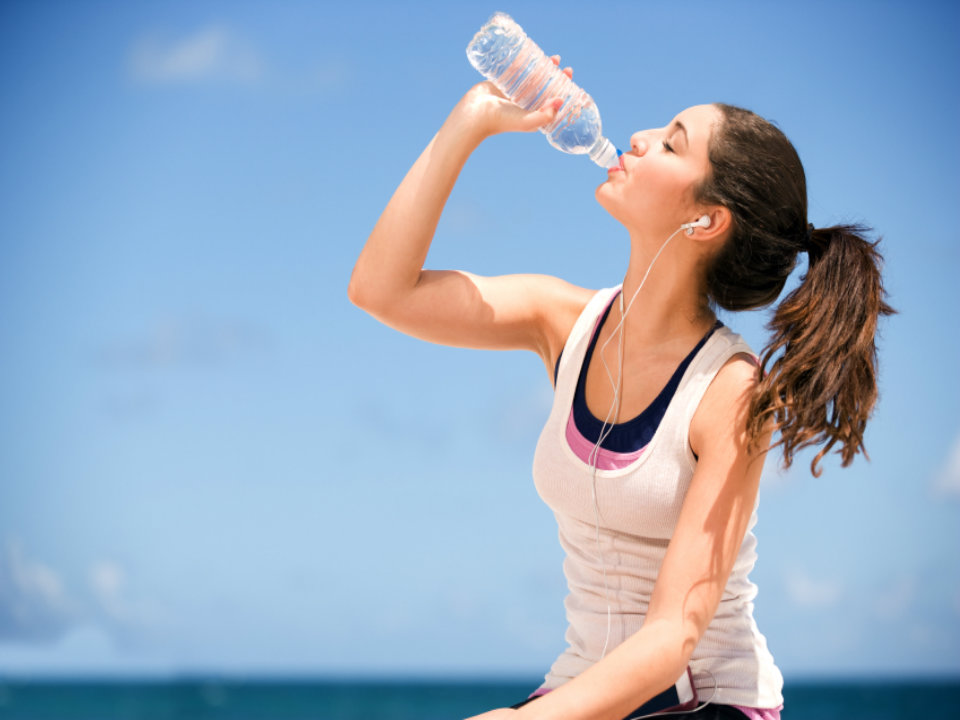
point(721, 221)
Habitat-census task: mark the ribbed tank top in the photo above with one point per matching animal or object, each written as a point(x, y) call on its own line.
point(622, 442)
point(639, 505)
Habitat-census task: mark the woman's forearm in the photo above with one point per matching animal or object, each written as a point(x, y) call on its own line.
point(392, 259)
point(647, 663)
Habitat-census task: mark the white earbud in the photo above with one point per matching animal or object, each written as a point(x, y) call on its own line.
point(703, 222)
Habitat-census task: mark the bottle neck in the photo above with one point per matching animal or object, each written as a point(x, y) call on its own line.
point(604, 153)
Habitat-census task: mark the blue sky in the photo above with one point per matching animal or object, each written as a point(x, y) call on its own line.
point(211, 462)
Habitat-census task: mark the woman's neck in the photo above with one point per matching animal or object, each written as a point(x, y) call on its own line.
point(670, 305)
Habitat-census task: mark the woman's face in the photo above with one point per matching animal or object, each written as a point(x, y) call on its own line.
point(653, 193)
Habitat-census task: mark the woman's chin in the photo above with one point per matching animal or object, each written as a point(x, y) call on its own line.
point(608, 202)
point(602, 195)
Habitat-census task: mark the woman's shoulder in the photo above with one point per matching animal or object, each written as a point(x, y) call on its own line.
point(726, 401)
point(733, 363)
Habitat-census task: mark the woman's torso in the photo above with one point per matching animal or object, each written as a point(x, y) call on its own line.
point(638, 506)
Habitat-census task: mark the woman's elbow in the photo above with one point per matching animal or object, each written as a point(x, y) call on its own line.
point(362, 292)
point(677, 642)
point(379, 293)
point(355, 291)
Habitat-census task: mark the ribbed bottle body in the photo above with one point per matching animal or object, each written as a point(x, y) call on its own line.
point(502, 52)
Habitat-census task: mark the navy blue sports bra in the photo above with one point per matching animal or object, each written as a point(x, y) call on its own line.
point(634, 434)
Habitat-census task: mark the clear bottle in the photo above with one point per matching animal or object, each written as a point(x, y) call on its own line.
point(503, 53)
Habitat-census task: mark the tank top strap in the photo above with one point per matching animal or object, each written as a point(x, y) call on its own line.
point(722, 345)
point(575, 348)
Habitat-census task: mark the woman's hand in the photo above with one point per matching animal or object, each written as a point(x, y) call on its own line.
point(490, 112)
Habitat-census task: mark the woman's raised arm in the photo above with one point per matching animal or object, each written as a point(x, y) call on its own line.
point(530, 312)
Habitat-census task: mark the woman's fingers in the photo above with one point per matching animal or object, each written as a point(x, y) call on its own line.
point(486, 105)
point(568, 71)
point(546, 114)
point(538, 118)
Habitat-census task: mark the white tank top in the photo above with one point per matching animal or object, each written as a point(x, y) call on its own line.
point(639, 505)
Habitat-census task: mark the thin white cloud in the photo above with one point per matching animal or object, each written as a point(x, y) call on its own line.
point(212, 54)
point(947, 481)
point(106, 581)
point(128, 617)
point(807, 591)
point(33, 602)
point(37, 607)
point(86, 649)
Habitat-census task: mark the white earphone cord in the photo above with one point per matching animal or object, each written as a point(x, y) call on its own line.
point(607, 426)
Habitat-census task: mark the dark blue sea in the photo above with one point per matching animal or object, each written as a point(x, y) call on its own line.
point(234, 699)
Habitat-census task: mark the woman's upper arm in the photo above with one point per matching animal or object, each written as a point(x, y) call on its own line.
point(506, 312)
point(716, 511)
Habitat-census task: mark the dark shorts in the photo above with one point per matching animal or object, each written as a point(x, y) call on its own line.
point(710, 712)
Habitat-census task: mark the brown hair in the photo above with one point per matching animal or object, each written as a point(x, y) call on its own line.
point(821, 384)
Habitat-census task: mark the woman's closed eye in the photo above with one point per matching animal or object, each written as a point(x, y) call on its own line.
point(667, 146)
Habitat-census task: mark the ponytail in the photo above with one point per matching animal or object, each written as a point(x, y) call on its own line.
point(818, 374)
point(821, 383)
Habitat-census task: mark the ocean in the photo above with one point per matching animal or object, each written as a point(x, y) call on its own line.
point(253, 699)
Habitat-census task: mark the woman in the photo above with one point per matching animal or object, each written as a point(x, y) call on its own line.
point(653, 476)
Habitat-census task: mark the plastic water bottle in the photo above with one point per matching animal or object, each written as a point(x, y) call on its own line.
point(503, 53)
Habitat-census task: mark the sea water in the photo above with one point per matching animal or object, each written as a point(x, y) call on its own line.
point(306, 699)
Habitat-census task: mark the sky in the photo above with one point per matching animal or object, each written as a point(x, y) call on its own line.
point(211, 462)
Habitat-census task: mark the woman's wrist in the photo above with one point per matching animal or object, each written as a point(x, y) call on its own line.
point(462, 131)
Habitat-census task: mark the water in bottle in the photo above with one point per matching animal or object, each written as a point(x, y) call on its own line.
point(503, 53)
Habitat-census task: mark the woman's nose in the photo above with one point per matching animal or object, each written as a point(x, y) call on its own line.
point(639, 144)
